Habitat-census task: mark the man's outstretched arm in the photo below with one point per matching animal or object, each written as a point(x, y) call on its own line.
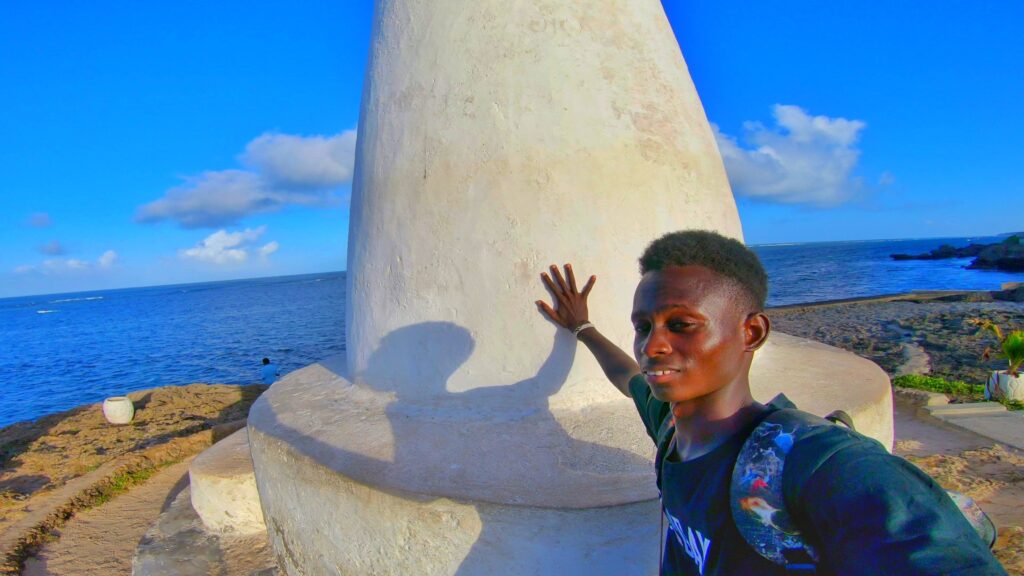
point(570, 312)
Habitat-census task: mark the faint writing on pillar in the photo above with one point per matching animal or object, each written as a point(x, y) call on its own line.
point(556, 26)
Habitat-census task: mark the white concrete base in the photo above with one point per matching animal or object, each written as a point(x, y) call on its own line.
point(358, 481)
point(223, 487)
point(821, 378)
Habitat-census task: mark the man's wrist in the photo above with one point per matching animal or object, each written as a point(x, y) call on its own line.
point(585, 326)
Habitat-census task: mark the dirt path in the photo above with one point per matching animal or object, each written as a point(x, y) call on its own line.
point(102, 541)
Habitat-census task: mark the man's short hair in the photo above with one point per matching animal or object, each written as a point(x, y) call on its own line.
point(713, 251)
point(266, 360)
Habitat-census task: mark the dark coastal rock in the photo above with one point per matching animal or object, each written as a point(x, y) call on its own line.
point(945, 251)
point(1007, 255)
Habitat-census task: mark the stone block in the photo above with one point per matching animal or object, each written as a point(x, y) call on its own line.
point(223, 487)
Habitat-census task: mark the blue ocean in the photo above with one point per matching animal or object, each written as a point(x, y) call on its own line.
point(60, 351)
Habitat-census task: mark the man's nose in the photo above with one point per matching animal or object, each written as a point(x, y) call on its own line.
point(657, 344)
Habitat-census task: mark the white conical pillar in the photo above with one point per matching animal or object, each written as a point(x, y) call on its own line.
point(464, 434)
point(497, 137)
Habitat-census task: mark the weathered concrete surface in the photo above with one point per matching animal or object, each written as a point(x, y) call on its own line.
point(347, 489)
point(501, 493)
point(496, 138)
point(178, 544)
point(223, 487)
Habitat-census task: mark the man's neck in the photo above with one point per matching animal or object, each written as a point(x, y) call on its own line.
point(706, 423)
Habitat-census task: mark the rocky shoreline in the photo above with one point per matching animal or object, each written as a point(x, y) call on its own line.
point(896, 330)
point(1007, 255)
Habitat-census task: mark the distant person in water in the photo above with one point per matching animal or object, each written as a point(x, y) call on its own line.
point(270, 372)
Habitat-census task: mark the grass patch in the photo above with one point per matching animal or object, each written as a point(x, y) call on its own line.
point(121, 483)
point(960, 391)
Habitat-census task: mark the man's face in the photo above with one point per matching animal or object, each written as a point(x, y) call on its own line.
point(691, 336)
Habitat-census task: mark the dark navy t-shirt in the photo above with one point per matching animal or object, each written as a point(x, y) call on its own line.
point(702, 539)
point(864, 510)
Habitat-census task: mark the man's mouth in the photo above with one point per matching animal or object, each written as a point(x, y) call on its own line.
point(659, 375)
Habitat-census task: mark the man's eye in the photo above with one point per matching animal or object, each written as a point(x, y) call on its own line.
point(679, 325)
point(642, 328)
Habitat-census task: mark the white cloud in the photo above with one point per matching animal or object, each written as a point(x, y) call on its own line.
point(68, 265)
point(803, 159)
point(52, 248)
point(223, 247)
point(40, 220)
point(107, 259)
point(282, 170)
point(269, 248)
point(295, 161)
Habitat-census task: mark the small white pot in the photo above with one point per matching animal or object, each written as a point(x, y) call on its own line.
point(118, 410)
point(1003, 385)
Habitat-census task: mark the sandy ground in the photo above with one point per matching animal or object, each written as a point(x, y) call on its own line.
point(40, 456)
point(102, 541)
point(987, 471)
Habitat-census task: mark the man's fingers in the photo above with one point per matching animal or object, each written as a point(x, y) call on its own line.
point(556, 293)
point(557, 275)
point(571, 277)
point(546, 309)
point(589, 285)
point(547, 282)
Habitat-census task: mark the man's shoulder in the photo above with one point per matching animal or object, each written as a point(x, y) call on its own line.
point(654, 413)
point(800, 444)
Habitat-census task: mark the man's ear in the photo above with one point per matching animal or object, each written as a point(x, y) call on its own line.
point(755, 330)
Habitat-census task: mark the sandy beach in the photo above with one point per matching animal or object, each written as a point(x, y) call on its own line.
point(911, 334)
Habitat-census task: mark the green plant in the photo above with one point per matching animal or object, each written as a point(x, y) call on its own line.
point(959, 390)
point(1011, 345)
point(956, 388)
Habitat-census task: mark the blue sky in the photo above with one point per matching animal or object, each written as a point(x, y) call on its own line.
point(166, 142)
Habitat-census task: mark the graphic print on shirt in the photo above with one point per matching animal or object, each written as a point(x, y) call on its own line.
point(695, 544)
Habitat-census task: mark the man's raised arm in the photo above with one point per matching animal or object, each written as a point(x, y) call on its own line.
point(570, 312)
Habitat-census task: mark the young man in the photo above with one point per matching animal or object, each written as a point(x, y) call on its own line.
point(699, 317)
point(269, 373)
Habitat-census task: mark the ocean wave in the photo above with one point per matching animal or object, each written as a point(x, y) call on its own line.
point(45, 311)
point(77, 299)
